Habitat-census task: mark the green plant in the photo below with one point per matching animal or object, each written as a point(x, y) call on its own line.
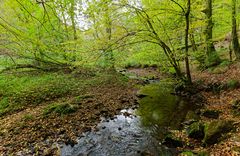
point(212, 60)
point(232, 84)
point(28, 117)
point(60, 108)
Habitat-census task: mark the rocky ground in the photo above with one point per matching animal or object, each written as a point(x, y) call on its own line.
point(222, 97)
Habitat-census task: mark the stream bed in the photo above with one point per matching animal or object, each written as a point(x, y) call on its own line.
point(136, 131)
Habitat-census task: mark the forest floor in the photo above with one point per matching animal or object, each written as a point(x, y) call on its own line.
point(31, 130)
point(222, 101)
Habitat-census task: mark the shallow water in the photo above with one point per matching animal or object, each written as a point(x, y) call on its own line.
point(137, 132)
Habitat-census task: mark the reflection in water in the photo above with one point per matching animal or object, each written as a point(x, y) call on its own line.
point(139, 133)
point(160, 108)
point(122, 136)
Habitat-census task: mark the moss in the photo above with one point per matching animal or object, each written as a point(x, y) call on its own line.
point(196, 130)
point(28, 117)
point(232, 84)
point(188, 153)
point(62, 109)
point(214, 131)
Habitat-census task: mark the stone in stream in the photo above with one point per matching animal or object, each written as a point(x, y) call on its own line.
point(215, 130)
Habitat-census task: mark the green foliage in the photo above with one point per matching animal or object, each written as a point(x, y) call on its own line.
point(225, 63)
point(60, 108)
point(200, 57)
point(212, 60)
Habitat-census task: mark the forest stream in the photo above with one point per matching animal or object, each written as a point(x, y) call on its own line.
point(137, 131)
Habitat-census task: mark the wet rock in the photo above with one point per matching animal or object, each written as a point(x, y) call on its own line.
point(172, 142)
point(214, 114)
point(103, 127)
point(196, 130)
point(70, 142)
point(214, 131)
point(127, 114)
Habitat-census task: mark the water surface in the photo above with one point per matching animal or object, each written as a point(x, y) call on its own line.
point(136, 132)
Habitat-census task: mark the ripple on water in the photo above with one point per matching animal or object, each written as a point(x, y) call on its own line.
point(123, 136)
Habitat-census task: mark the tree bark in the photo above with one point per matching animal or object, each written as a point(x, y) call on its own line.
point(187, 13)
point(72, 16)
point(235, 42)
point(208, 32)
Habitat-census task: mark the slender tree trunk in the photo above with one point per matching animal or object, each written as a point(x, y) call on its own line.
point(109, 52)
point(208, 32)
point(235, 42)
point(72, 16)
point(187, 13)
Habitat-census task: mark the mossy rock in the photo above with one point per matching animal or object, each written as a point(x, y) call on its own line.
point(192, 115)
point(214, 131)
point(196, 130)
point(214, 114)
point(190, 153)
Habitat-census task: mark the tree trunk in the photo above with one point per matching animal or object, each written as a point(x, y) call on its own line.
point(72, 16)
point(208, 32)
point(235, 42)
point(189, 79)
point(212, 58)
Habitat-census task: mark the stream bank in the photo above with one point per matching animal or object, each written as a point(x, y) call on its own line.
point(144, 130)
